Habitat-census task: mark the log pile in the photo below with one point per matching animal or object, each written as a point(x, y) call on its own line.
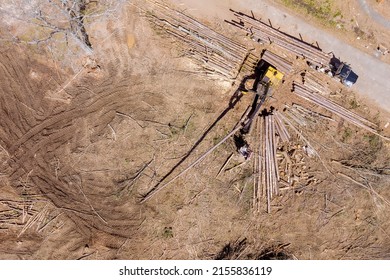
point(267, 184)
point(216, 53)
point(295, 116)
point(291, 157)
point(292, 163)
point(303, 116)
point(293, 168)
point(313, 83)
point(263, 32)
point(309, 114)
point(347, 115)
point(281, 164)
point(281, 129)
point(248, 66)
point(280, 63)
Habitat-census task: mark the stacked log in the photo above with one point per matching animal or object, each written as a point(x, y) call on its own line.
point(268, 178)
point(278, 62)
point(314, 84)
point(217, 53)
point(281, 129)
point(310, 114)
point(248, 66)
point(295, 116)
point(263, 32)
point(347, 115)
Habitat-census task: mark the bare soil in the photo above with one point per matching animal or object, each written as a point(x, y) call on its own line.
point(81, 142)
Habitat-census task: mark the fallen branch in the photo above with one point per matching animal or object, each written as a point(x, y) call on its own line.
point(4, 150)
point(33, 220)
point(90, 204)
point(136, 177)
point(130, 117)
point(369, 188)
point(224, 165)
point(236, 166)
point(113, 131)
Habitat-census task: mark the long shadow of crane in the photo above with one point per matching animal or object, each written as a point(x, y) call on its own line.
point(232, 102)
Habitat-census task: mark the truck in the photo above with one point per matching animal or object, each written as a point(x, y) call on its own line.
point(344, 73)
point(338, 70)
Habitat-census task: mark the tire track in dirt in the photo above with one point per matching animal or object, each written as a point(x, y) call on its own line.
point(20, 101)
point(57, 146)
point(76, 111)
point(33, 144)
point(59, 192)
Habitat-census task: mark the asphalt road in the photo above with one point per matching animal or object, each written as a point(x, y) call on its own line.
point(374, 75)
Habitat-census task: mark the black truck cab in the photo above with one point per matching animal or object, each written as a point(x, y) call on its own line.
point(346, 75)
point(343, 72)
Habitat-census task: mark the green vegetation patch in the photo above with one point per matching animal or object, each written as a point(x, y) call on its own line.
point(374, 142)
point(324, 10)
point(346, 135)
point(167, 232)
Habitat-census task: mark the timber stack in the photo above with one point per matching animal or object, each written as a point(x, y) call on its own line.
point(280, 63)
point(280, 164)
point(262, 32)
point(349, 116)
point(268, 172)
point(216, 53)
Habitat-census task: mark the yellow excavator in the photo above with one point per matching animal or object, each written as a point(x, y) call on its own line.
point(263, 86)
point(266, 79)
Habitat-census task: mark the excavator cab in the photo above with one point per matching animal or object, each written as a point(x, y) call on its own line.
point(272, 76)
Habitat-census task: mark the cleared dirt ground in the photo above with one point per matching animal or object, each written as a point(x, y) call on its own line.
point(80, 145)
